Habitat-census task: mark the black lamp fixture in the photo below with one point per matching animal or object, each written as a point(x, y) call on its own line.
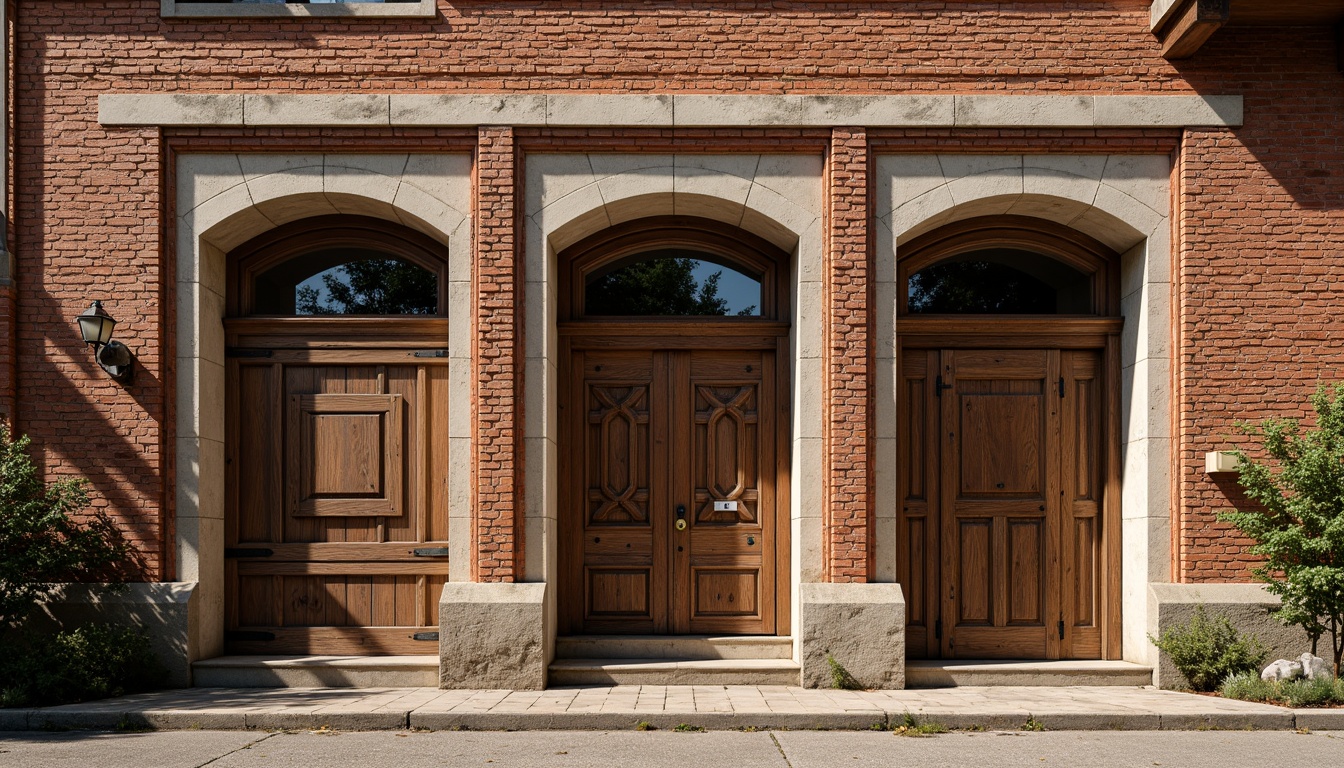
point(96, 325)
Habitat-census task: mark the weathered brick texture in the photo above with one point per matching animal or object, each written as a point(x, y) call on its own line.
point(498, 358)
point(1259, 210)
point(848, 363)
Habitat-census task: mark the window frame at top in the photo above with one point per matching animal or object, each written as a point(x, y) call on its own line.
point(294, 240)
point(1071, 247)
point(172, 9)
point(732, 247)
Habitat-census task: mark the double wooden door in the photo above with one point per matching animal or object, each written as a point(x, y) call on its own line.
point(668, 489)
point(1001, 484)
point(336, 499)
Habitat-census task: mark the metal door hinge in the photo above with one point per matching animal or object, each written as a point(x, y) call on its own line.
point(432, 353)
point(939, 386)
point(244, 352)
point(244, 635)
point(247, 552)
point(430, 552)
point(426, 636)
point(1061, 629)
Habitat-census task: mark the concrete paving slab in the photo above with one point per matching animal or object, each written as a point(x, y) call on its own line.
point(120, 750)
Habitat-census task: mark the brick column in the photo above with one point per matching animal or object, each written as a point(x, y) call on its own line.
point(848, 365)
point(497, 358)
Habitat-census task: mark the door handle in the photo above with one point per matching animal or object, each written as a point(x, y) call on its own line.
point(681, 517)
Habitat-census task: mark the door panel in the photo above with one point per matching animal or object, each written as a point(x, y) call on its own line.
point(666, 438)
point(1000, 479)
point(337, 477)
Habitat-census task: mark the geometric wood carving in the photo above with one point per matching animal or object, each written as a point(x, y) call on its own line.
point(344, 456)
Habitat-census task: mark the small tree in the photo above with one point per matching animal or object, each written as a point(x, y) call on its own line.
point(40, 543)
point(1299, 528)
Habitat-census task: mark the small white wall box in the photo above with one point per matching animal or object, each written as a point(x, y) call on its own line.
point(725, 506)
point(1220, 461)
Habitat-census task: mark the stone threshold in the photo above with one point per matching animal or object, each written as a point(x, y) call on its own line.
point(665, 707)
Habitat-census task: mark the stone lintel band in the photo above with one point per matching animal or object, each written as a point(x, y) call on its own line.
point(497, 357)
point(669, 111)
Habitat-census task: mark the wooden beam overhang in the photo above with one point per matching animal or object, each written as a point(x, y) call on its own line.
point(1182, 26)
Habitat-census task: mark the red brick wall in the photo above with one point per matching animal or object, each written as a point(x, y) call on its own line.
point(8, 370)
point(497, 506)
point(1260, 267)
point(1260, 209)
point(848, 362)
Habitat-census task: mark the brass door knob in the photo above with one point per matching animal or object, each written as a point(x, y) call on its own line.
point(681, 525)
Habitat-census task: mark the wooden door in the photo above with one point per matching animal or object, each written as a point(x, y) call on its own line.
point(1000, 471)
point(336, 524)
point(668, 472)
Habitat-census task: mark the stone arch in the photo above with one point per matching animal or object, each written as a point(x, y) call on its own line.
point(223, 200)
point(775, 197)
point(1122, 201)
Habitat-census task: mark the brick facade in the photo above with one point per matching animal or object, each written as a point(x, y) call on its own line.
point(1258, 214)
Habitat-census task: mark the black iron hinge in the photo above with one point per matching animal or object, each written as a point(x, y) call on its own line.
point(230, 552)
point(430, 552)
point(432, 353)
point(1061, 629)
point(939, 386)
point(426, 636)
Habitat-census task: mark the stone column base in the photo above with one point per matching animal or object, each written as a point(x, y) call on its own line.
point(492, 636)
point(1247, 606)
point(861, 627)
point(165, 610)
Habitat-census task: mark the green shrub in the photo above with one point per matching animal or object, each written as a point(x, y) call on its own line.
point(40, 542)
point(1208, 651)
point(1248, 686)
point(94, 661)
point(1298, 527)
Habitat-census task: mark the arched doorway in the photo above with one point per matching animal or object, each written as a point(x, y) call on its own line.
point(336, 520)
point(1007, 401)
point(673, 407)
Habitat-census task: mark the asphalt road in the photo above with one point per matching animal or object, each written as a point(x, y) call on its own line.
point(570, 749)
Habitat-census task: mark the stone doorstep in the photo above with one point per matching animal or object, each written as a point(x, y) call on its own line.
point(317, 672)
point(673, 647)
point(665, 671)
point(710, 707)
point(950, 673)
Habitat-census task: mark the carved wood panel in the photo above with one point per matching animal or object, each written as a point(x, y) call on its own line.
point(1001, 459)
point(337, 473)
point(671, 460)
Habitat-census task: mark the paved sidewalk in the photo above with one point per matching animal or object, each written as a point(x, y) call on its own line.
point(665, 707)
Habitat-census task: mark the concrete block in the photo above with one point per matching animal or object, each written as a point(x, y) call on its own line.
point(170, 109)
point(1168, 111)
point(492, 635)
point(468, 110)
point(695, 110)
point(861, 626)
point(610, 109)
point(163, 609)
point(316, 109)
point(983, 111)
point(1247, 606)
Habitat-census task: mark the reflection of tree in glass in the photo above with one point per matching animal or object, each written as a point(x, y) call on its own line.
point(371, 287)
point(979, 287)
point(658, 287)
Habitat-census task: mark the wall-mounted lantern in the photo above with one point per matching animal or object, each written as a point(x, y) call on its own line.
point(96, 325)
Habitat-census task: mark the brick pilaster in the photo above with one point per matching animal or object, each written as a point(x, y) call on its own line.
point(8, 353)
point(848, 364)
point(497, 359)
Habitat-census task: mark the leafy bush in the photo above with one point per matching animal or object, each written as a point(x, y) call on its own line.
point(1248, 686)
point(40, 543)
point(1209, 651)
point(1299, 529)
point(94, 661)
